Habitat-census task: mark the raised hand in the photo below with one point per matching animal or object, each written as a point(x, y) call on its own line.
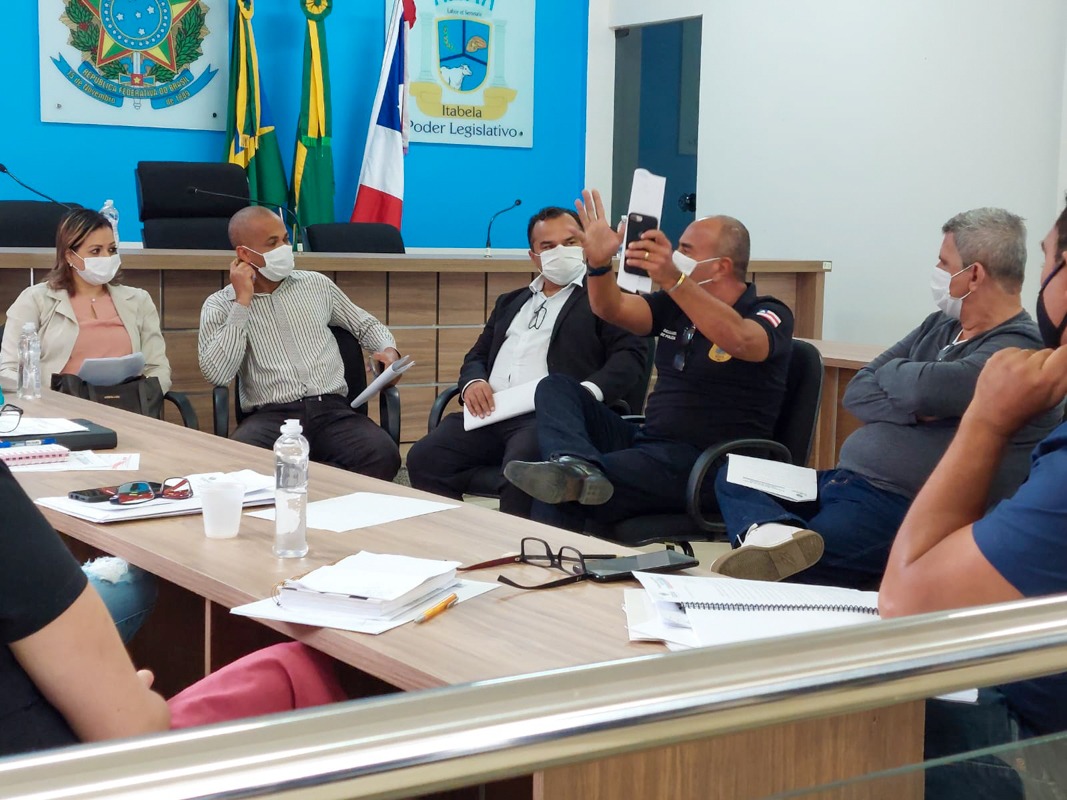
point(601, 240)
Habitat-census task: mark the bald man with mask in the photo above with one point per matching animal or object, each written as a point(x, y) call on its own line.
point(721, 363)
point(271, 327)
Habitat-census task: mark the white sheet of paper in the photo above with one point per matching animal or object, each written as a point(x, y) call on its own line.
point(374, 575)
point(646, 197)
point(268, 609)
point(362, 510)
point(773, 477)
point(111, 371)
point(45, 426)
point(259, 489)
point(387, 376)
point(645, 624)
point(509, 403)
point(87, 460)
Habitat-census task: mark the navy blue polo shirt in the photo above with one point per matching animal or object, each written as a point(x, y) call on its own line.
point(715, 397)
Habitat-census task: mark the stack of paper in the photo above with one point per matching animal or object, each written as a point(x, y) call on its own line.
point(368, 585)
point(259, 489)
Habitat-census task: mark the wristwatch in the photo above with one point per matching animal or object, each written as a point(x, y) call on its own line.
point(595, 271)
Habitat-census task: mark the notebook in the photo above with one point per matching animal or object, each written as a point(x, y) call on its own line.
point(90, 437)
point(20, 455)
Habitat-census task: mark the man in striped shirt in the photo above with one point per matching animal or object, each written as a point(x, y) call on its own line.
point(270, 326)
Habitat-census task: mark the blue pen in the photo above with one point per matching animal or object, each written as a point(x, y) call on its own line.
point(28, 443)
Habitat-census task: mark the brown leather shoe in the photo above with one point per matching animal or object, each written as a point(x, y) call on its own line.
point(561, 480)
point(771, 562)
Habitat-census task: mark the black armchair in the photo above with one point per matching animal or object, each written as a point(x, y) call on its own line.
point(174, 218)
point(354, 237)
point(792, 442)
point(30, 223)
point(355, 377)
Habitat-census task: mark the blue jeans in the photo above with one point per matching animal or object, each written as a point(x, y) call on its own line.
point(649, 475)
point(856, 520)
point(129, 598)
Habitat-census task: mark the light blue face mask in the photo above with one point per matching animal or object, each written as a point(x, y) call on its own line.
point(939, 287)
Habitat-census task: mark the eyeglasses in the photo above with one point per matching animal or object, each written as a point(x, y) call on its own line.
point(10, 417)
point(685, 342)
point(130, 494)
point(538, 553)
point(538, 316)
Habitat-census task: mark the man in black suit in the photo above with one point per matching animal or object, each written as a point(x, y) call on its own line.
point(545, 328)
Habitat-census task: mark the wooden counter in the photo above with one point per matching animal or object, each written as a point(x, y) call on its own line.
point(435, 304)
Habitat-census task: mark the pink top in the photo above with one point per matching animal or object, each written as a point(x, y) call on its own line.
point(101, 333)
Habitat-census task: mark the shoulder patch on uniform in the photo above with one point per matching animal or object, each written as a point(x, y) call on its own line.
point(770, 316)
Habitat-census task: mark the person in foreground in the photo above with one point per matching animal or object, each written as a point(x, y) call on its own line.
point(81, 311)
point(545, 328)
point(910, 399)
point(65, 676)
point(722, 361)
point(271, 326)
point(951, 553)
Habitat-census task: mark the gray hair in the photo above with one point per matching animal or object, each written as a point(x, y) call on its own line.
point(996, 239)
point(734, 242)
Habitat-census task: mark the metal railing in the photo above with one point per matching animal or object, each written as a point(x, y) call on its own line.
point(406, 744)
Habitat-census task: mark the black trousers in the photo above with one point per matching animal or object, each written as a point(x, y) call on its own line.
point(338, 436)
point(649, 474)
point(444, 460)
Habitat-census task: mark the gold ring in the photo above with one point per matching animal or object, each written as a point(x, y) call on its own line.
point(646, 255)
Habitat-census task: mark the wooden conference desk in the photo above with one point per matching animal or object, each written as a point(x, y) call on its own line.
point(435, 305)
point(505, 632)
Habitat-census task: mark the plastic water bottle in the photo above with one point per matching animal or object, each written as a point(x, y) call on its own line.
point(112, 214)
point(29, 363)
point(291, 491)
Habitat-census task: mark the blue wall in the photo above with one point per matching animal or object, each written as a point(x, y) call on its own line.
point(451, 190)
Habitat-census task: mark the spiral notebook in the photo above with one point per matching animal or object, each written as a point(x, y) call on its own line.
point(726, 610)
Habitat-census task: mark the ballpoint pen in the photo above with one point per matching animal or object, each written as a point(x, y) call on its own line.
point(440, 608)
point(28, 443)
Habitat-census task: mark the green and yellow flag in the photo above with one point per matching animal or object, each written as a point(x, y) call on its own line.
point(313, 162)
point(251, 141)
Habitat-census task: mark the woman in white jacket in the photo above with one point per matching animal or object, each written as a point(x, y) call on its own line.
point(80, 312)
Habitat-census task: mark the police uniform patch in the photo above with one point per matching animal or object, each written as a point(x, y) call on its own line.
point(718, 355)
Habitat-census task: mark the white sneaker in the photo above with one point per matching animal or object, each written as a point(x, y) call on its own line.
point(771, 552)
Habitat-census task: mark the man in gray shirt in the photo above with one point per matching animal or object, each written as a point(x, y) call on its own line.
point(271, 327)
point(910, 399)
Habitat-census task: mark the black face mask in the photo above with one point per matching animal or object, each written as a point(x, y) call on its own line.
point(1050, 332)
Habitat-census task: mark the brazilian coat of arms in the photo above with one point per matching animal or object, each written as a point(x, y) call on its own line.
point(141, 50)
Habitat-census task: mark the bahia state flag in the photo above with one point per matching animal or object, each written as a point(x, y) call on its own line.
point(313, 182)
point(380, 197)
point(251, 142)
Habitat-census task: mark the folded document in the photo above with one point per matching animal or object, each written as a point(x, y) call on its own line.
point(508, 403)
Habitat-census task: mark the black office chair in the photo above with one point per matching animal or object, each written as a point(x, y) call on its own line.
point(794, 434)
point(30, 223)
point(355, 377)
point(174, 218)
point(484, 480)
point(179, 399)
point(354, 237)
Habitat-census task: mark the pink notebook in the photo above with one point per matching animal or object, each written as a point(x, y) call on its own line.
point(33, 454)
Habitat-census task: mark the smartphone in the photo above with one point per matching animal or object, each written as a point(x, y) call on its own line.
point(636, 224)
point(617, 569)
point(102, 494)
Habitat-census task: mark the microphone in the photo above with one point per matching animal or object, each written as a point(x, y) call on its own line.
point(489, 230)
point(293, 220)
point(9, 174)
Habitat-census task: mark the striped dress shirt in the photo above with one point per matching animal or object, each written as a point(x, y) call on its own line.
point(281, 344)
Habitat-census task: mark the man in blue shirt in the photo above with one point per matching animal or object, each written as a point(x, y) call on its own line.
point(949, 553)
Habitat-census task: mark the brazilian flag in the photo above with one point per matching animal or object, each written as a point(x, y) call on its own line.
point(251, 141)
point(313, 163)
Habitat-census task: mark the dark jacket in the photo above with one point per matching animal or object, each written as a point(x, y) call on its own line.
point(582, 346)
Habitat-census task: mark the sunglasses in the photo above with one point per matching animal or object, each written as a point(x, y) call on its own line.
point(130, 494)
point(685, 342)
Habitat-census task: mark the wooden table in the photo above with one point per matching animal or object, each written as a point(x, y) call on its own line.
point(504, 632)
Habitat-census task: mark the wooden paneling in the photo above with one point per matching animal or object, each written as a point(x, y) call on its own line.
point(412, 299)
point(496, 284)
point(781, 286)
point(415, 402)
point(462, 299)
point(184, 293)
point(14, 282)
point(148, 279)
point(367, 290)
point(184, 364)
point(452, 345)
point(421, 345)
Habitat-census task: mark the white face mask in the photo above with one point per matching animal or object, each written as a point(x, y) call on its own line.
point(686, 265)
point(100, 270)
point(950, 306)
point(279, 263)
point(563, 265)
